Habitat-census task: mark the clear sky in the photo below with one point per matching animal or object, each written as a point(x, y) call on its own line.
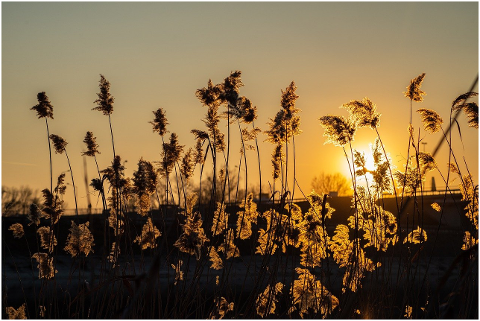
point(158, 54)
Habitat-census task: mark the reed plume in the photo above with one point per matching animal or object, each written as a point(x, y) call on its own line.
point(413, 90)
point(105, 99)
point(338, 130)
point(149, 235)
point(159, 122)
point(266, 302)
point(46, 269)
point(60, 145)
point(470, 109)
point(80, 240)
point(364, 112)
point(92, 146)
point(221, 308)
point(44, 109)
point(17, 230)
point(432, 122)
point(16, 313)
point(144, 185)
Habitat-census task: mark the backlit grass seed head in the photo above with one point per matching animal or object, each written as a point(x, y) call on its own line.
point(436, 207)
point(105, 99)
point(453, 168)
point(426, 160)
point(286, 123)
point(408, 312)
point(470, 194)
point(338, 130)
point(61, 187)
point(364, 112)
point(470, 109)
point(199, 155)
point(230, 88)
point(16, 313)
point(220, 219)
point(178, 271)
point(187, 165)
point(149, 235)
point(34, 215)
point(193, 237)
point(267, 300)
point(144, 184)
point(47, 240)
point(45, 266)
point(242, 110)
point(200, 135)
point(277, 158)
point(210, 95)
point(113, 256)
point(228, 247)
point(44, 108)
point(413, 90)
point(310, 295)
point(17, 230)
point(170, 154)
point(80, 240)
point(221, 308)
point(58, 143)
point(432, 122)
point(289, 97)
point(468, 241)
point(460, 100)
point(410, 180)
point(217, 263)
point(159, 122)
point(115, 222)
point(115, 173)
point(247, 217)
point(92, 146)
point(416, 236)
point(52, 204)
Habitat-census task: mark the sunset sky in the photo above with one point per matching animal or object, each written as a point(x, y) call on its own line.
point(158, 54)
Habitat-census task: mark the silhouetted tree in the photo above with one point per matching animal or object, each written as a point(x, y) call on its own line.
point(325, 183)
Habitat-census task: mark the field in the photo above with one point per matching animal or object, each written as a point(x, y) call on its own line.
point(163, 249)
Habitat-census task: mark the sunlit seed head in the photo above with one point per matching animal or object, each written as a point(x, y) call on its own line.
point(58, 143)
point(92, 146)
point(413, 90)
point(16, 313)
point(338, 130)
point(210, 95)
point(105, 99)
point(436, 207)
point(45, 266)
point(34, 214)
point(44, 108)
point(159, 122)
point(432, 122)
point(80, 240)
point(17, 230)
point(363, 112)
point(149, 235)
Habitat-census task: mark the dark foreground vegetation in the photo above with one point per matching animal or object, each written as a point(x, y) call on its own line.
point(161, 249)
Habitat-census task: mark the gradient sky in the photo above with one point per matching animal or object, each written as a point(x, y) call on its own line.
point(158, 54)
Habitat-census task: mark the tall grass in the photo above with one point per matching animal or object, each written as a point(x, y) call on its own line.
point(206, 255)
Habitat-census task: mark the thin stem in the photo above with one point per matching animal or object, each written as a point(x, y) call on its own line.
point(50, 153)
point(73, 184)
point(259, 168)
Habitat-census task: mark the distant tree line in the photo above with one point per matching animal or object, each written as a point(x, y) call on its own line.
point(17, 200)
